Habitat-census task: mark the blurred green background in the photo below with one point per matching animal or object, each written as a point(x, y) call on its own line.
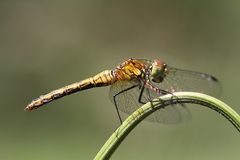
point(45, 45)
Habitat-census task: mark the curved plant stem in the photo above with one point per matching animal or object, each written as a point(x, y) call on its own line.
point(164, 101)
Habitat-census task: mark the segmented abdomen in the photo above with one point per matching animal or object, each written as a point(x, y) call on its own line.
point(104, 78)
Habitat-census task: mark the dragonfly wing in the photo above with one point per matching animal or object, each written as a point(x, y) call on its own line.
point(172, 114)
point(128, 103)
point(184, 80)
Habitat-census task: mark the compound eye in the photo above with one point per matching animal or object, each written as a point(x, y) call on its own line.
point(157, 75)
point(158, 70)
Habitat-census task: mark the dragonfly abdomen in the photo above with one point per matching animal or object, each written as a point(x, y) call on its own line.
point(104, 78)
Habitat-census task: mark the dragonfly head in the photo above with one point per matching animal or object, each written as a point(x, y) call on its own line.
point(158, 71)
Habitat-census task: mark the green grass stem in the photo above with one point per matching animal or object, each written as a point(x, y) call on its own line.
point(164, 101)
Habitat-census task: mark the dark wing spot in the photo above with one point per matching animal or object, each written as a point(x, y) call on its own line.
point(209, 77)
point(214, 79)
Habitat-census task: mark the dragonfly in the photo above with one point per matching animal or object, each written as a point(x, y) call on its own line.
point(138, 81)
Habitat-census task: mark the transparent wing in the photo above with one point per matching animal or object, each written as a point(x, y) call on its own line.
point(184, 80)
point(128, 103)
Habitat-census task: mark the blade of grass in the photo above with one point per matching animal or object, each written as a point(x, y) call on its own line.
point(164, 101)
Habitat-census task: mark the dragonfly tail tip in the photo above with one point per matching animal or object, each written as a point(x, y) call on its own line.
point(28, 108)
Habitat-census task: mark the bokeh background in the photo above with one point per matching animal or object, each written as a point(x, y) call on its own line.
point(45, 45)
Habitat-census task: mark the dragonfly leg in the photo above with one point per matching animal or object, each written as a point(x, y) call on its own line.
point(115, 102)
point(140, 95)
point(149, 98)
point(158, 91)
point(142, 87)
point(172, 98)
point(148, 95)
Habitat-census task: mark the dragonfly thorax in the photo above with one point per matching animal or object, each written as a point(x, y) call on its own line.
point(158, 71)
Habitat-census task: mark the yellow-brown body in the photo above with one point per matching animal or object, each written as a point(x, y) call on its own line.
point(102, 79)
point(128, 70)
